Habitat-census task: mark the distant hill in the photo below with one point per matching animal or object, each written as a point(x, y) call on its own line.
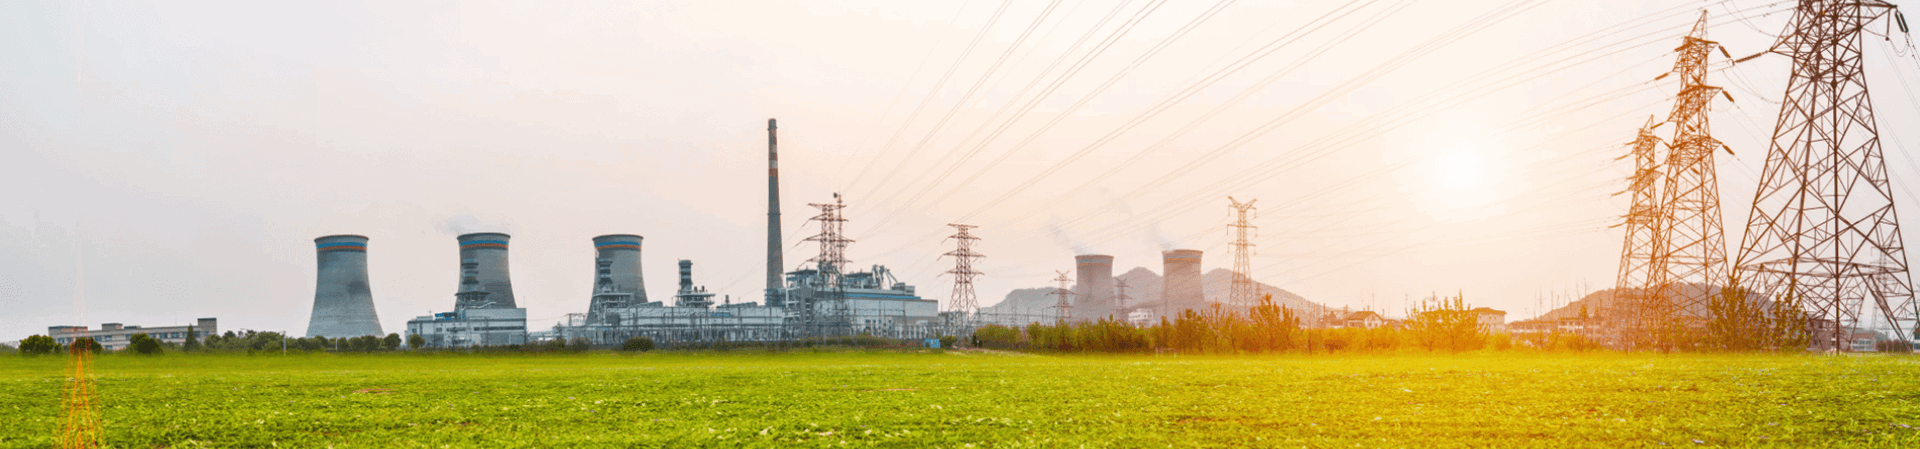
point(1604, 299)
point(1143, 290)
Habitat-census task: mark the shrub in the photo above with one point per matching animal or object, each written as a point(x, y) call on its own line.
point(38, 345)
point(1502, 342)
point(996, 336)
point(143, 344)
point(948, 341)
point(416, 341)
point(641, 344)
point(85, 344)
point(579, 344)
point(1446, 324)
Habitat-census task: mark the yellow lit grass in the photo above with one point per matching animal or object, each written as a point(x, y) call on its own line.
point(999, 400)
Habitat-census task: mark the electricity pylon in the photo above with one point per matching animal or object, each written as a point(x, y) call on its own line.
point(830, 316)
point(1822, 234)
point(1065, 306)
point(1636, 254)
point(963, 301)
point(1689, 252)
point(1243, 293)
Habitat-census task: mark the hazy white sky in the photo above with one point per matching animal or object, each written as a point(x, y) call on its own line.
point(167, 161)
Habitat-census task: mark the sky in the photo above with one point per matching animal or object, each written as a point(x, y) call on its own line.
point(162, 162)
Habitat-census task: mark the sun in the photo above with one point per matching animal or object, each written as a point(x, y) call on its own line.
point(1462, 169)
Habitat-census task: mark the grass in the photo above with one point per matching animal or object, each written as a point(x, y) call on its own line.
point(956, 399)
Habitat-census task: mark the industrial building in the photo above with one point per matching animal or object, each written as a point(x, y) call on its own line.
point(342, 299)
point(115, 336)
point(483, 309)
point(1181, 288)
point(1093, 293)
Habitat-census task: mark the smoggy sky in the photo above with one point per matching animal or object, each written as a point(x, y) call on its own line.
point(168, 161)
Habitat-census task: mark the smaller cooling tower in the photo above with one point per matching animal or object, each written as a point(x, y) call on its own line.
point(342, 301)
point(1181, 289)
point(1093, 294)
point(488, 252)
point(623, 250)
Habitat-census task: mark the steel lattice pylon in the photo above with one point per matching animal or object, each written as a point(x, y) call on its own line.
point(1064, 306)
point(1636, 254)
point(963, 301)
point(1822, 234)
point(1243, 295)
point(832, 317)
point(1689, 251)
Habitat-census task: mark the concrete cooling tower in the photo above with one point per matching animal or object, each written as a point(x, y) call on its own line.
point(342, 301)
point(623, 252)
point(488, 252)
point(1181, 288)
point(1093, 294)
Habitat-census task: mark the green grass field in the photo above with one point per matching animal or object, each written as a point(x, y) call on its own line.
point(961, 399)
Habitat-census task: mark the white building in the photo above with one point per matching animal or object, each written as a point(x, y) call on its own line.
point(115, 336)
point(471, 327)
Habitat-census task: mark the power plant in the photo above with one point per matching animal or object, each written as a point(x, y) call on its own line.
point(489, 251)
point(342, 298)
point(1094, 289)
point(1181, 289)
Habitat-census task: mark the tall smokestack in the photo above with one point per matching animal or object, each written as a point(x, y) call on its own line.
point(488, 253)
point(776, 264)
point(623, 250)
point(1181, 289)
point(1094, 295)
point(342, 301)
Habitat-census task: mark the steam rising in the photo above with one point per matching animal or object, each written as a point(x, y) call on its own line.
point(460, 224)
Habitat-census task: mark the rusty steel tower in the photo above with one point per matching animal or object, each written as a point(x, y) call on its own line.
point(1689, 251)
point(1064, 306)
point(1636, 253)
point(827, 313)
point(1823, 234)
point(963, 301)
point(1244, 294)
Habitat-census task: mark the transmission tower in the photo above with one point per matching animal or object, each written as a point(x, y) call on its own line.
point(1242, 295)
point(827, 312)
point(1636, 254)
point(1689, 252)
point(1120, 296)
point(1065, 306)
point(963, 302)
point(1823, 235)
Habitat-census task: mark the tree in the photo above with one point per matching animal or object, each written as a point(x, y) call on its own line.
point(143, 344)
point(415, 341)
point(1737, 323)
point(1446, 324)
point(579, 344)
point(641, 344)
point(84, 344)
point(193, 341)
point(1789, 324)
point(390, 343)
point(38, 345)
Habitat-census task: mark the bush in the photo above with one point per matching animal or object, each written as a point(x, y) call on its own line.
point(948, 341)
point(38, 345)
point(1447, 324)
point(143, 344)
point(579, 344)
point(641, 344)
point(996, 336)
point(1502, 342)
point(416, 341)
point(84, 344)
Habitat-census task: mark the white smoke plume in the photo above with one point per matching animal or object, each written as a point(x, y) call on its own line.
point(463, 223)
point(1067, 238)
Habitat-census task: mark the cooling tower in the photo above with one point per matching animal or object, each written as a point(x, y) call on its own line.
point(1181, 288)
point(488, 251)
point(1094, 292)
point(342, 302)
point(624, 251)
